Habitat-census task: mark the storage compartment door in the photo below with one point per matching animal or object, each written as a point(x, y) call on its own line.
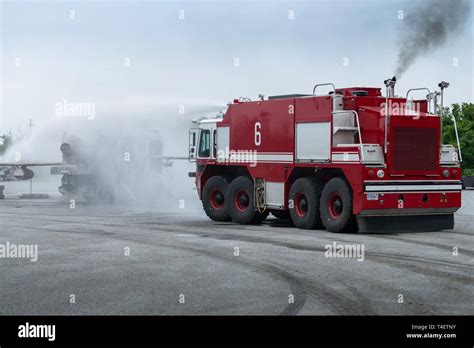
point(313, 142)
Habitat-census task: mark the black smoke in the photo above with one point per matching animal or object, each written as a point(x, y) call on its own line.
point(428, 27)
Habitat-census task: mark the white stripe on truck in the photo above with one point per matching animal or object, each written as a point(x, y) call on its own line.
point(383, 188)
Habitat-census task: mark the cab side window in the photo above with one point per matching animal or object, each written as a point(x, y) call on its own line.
point(205, 143)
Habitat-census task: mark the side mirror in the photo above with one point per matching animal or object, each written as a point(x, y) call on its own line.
point(193, 138)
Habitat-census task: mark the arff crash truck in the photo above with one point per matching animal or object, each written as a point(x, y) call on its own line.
point(351, 160)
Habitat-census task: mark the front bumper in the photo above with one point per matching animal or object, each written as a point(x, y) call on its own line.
point(408, 206)
point(409, 198)
point(405, 223)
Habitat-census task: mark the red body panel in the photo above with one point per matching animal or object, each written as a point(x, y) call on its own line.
point(316, 109)
point(372, 125)
point(276, 125)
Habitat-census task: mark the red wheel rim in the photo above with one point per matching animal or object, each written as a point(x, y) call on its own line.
point(242, 200)
point(335, 206)
point(217, 199)
point(301, 205)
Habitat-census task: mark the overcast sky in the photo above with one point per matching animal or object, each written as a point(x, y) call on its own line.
point(55, 51)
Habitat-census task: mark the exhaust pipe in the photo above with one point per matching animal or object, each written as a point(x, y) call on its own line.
point(442, 85)
point(389, 93)
point(390, 84)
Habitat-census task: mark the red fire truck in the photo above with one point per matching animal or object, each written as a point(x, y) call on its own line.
point(350, 160)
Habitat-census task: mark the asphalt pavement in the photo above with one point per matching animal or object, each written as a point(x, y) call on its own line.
point(105, 259)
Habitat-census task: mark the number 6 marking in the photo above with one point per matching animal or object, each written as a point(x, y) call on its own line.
point(258, 135)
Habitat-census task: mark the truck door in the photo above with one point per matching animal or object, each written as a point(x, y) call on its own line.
point(193, 138)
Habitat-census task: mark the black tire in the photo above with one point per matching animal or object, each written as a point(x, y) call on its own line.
point(336, 207)
point(214, 198)
point(304, 206)
point(240, 202)
point(281, 214)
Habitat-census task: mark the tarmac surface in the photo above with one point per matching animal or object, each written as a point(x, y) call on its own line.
point(104, 259)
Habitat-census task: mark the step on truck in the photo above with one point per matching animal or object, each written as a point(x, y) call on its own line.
point(350, 160)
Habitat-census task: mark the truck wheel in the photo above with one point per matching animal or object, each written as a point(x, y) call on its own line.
point(240, 198)
point(336, 207)
point(213, 198)
point(304, 196)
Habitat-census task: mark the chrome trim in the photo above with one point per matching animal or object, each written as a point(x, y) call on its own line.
point(324, 84)
point(421, 89)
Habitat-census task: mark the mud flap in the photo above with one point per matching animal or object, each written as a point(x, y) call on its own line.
point(406, 223)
